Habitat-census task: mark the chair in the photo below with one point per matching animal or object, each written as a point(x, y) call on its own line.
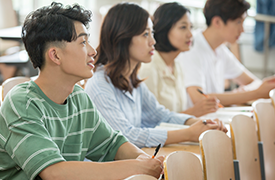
point(265, 119)
point(217, 156)
point(245, 147)
point(272, 96)
point(182, 165)
point(141, 177)
point(10, 83)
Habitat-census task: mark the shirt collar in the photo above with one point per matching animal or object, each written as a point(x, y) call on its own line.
point(159, 62)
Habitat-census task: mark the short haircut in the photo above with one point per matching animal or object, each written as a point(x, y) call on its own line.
point(122, 22)
point(225, 9)
point(51, 25)
point(164, 18)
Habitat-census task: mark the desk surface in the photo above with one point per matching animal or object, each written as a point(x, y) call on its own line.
point(185, 146)
point(19, 57)
point(13, 33)
point(194, 148)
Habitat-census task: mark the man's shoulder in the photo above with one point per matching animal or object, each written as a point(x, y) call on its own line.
point(22, 91)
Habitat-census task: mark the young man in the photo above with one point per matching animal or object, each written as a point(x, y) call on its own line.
point(209, 62)
point(48, 126)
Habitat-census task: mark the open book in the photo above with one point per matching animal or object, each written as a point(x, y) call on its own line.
point(226, 114)
point(170, 126)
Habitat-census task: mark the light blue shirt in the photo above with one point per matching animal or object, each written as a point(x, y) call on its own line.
point(136, 115)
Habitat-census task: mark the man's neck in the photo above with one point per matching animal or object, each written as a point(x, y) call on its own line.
point(54, 86)
point(213, 38)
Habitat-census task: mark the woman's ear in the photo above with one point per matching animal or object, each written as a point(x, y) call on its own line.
point(53, 55)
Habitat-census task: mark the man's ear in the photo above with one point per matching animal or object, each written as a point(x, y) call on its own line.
point(53, 55)
point(217, 22)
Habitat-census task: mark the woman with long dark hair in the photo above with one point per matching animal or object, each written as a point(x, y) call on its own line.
point(123, 99)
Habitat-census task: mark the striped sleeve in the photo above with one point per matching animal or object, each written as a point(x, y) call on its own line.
point(141, 137)
point(30, 147)
point(105, 141)
point(153, 111)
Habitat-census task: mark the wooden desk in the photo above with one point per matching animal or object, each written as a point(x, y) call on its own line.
point(174, 147)
point(18, 57)
point(186, 146)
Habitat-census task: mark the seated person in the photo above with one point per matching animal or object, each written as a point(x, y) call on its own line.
point(126, 40)
point(209, 62)
point(164, 76)
point(48, 126)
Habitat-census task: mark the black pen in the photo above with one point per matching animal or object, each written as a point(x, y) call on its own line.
point(156, 151)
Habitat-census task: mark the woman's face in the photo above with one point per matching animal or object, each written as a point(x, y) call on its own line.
point(180, 35)
point(142, 46)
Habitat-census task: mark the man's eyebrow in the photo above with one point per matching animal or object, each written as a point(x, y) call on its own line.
point(83, 34)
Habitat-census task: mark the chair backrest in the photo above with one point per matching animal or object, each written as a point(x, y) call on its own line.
point(8, 84)
point(182, 165)
point(245, 147)
point(141, 177)
point(272, 96)
point(217, 155)
point(265, 119)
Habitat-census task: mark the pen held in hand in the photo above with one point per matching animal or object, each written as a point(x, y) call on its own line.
point(156, 151)
point(220, 106)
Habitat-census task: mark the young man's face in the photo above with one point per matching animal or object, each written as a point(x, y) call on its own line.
point(232, 30)
point(77, 56)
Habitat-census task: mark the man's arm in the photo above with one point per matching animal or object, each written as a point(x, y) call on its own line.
point(140, 163)
point(108, 170)
point(245, 78)
point(128, 151)
point(230, 98)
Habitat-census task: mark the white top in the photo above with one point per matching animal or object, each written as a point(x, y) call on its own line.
point(167, 87)
point(207, 68)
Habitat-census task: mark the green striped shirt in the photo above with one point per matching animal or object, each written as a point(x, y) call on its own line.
point(35, 132)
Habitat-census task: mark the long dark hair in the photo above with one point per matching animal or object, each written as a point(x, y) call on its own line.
point(122, 22)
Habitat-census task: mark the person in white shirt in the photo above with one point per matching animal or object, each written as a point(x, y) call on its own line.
point(209, 62)
point(164, 76)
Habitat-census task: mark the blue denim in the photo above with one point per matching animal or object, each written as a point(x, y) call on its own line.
point(264, 7)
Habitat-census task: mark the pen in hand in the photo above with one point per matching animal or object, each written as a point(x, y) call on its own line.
point(156, 151)
point(220, 106)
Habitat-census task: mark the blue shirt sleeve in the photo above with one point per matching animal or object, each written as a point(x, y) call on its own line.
point(153, 111)
point(112, 104)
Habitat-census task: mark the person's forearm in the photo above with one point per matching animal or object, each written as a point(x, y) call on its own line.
point(236, 98)
point(128, 151)
point(177, 136)
point(91, 170)
point(190, 111)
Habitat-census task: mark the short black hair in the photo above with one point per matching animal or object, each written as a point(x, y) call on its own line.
point(51, 24)
point(164, 18)
point(226, 9)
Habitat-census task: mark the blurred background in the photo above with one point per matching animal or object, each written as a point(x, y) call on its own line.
point(260, 61)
